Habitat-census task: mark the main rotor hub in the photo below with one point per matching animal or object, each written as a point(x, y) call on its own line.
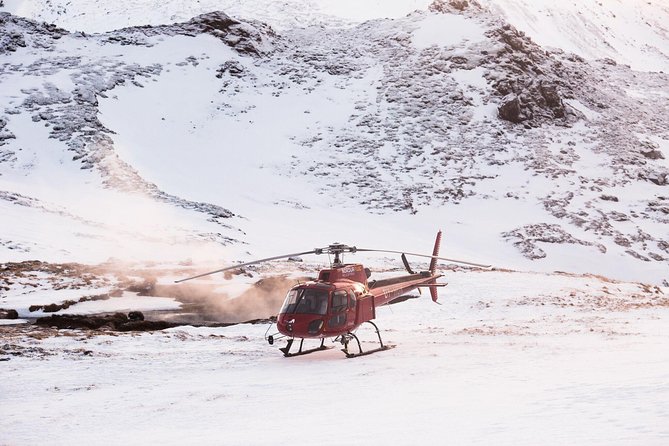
point(337, 249)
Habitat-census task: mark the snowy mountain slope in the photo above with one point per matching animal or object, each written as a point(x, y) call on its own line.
point(90, 16)
point(509, 358)
point(73, 152)
point(390, 124)
point(627, 31)
point(630, 32)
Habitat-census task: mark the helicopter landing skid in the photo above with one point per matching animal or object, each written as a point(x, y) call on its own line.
point(286, 349)
point(348, 337)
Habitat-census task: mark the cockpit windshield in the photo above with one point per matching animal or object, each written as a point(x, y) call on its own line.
point(306, 301)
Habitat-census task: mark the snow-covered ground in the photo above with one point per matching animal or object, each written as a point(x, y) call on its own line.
point(509, 358)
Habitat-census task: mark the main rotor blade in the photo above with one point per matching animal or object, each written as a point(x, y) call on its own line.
point(462, 262)
point(241, 265)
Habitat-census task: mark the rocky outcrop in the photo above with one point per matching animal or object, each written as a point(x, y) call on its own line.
point(449, 6)
point(528, 238)
point(658, 178)
point(116, 322)
point(530, 83)
point(537, 102)
point(17, 32)
point(252, 38)
point(8, 314)
point(5, 135)
point(652, 154)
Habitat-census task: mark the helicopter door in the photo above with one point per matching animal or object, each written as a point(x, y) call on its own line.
point(338, 309)
point(351, 313)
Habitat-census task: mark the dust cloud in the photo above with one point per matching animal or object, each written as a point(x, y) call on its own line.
point(208, 303)
point(212, 300)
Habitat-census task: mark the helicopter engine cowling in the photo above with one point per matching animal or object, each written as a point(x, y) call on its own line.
point(353, 271)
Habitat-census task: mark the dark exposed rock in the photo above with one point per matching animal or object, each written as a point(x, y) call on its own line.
point(637, 255)
point(660, 207)
point(653, 154)
point(657, 257)
point(116, 321)
point(511, 110)
point(136, 316)
point(134, 321)
point(531, 83)
point(20, 269)
point(231, 67)
point(537, 102)
point(5, 134)
point(245, 38)
point(659, 178)
point(8, 314)
point(664, 246)
point(527, 238)
point(446, 6)
point(622, 241)
point(618, 216)
point(17, 32)
point(213, 22)
point(550, 98)
point(11, 42)
point(52, 308)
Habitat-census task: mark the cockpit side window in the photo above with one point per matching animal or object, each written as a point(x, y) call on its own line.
point(339, 304)
point(351, 299)
point(339, 301)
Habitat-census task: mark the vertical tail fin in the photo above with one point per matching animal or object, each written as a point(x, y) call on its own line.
point(435, 252)
point(433, 265)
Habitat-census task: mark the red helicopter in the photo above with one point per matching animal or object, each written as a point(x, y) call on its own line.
point(342, 298)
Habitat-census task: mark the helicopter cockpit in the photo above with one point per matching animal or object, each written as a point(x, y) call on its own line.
point(306, 301)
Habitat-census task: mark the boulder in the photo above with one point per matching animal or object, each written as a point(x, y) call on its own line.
point(511, 110)
point(8, 314)
point(136, 316)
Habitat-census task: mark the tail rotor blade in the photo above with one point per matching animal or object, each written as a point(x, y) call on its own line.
point(406, 265)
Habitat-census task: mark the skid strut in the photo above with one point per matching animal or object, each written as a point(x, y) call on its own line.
point(288, 354)
point(347, 338)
